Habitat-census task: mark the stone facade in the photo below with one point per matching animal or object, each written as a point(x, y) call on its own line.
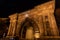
point(42, 18)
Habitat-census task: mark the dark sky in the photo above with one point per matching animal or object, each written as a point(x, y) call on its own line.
point(8, 7)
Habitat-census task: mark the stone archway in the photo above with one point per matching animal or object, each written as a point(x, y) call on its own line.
point(29, 29)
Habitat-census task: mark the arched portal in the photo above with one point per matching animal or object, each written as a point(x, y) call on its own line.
point(29, 29)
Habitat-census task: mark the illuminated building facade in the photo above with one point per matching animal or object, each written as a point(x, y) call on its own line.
point(34, 23)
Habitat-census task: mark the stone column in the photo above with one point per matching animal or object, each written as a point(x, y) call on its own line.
point(12, 26)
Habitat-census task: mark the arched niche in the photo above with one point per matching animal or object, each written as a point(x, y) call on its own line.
point(29, 29)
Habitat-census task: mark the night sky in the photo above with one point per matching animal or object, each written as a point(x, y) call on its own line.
point(8, 7)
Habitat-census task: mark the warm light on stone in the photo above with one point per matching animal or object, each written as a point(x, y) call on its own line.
point(26, 15)
point(37, 35)
point(42, 18)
